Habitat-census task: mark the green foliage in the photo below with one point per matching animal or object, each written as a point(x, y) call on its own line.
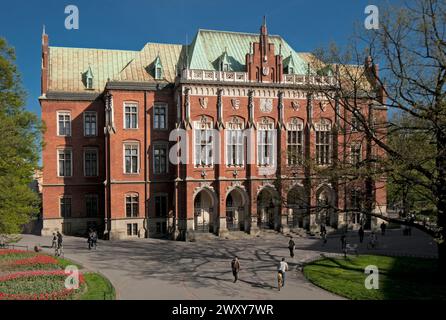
point(399, 277)
point(19, 148)
point(98, 288)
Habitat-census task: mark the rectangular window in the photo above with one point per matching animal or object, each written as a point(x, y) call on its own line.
point(159, 159)
point(91, 163)
point(323, 156)
point(265, 139)
point(160, 117)
point(132, 229)
point(132, 206)
point(130, 116)
point(65, 207)
point(203, 144)
point(91, 202)
point(234, 148)
point(64, 124)
point(90, 124)
point(65, 163)
point(131, 158)
point(161, 206)
point(295, 147)
point(355, 154)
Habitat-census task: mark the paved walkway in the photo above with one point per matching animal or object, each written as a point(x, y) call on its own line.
point(158, 269)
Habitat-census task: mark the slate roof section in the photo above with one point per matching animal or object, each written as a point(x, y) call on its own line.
point(209, 45)
point(67, 67)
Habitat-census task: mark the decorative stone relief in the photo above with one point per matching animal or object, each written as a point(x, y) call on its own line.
point(266, 105)
point(204, 102)
point(295, 105)
point(235, 104)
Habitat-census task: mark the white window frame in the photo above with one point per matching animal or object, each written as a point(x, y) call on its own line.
point(131, 143)
point(97, 161)
point(355, 146)
point(130, 104)
point(235, 128)
point(131, 195)
point(87, 113)
point(158, 73)
point(208, 127)
point(265, 128)
point(323, 126)
point(295, 126)
point(64, 113)
point(58, 162)
point(165, 146)
point(165, 107)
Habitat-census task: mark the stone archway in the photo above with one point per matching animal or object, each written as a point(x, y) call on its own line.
point(297, 208)
point(205, 212)
point(267, 209)
point(237, 210)
point(325, 213)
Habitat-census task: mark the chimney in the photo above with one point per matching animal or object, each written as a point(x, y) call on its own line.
point(45, 52)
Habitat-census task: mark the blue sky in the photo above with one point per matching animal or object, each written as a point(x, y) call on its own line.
point(129, 24)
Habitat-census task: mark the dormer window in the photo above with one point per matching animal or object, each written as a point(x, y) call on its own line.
point(225, 67)
point(88, 79)
point(158, 69)
point(224, 62)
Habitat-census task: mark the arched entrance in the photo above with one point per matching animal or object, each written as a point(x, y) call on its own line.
point(236, 210)
point(297, 208)
point(204, 213)
point(267, 210)
point(325, 207)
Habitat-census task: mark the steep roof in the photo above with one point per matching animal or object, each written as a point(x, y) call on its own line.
point(209, 45)
point(68, 65)
point(140, 68)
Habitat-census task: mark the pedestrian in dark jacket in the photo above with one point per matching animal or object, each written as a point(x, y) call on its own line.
point(291, 246)
point(343, 242)
point(235, 266)
point(361, 234)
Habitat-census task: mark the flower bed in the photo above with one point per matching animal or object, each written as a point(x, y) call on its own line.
point(38, 285)
point(17, 260)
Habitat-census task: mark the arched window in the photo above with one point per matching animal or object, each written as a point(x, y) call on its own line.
point(203, 131)
point(295, 144)
point(234, 142)
point(323, 142)
point(266, 142)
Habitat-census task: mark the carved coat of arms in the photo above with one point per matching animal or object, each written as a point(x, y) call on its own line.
point(295, 105)
point(266, 105)
point(203, 102)
point(235, 104)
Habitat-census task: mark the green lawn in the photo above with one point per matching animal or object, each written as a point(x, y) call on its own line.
point(399, 277)
point(98, 288)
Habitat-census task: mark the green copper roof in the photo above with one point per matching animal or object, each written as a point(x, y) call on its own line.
point(208, 46)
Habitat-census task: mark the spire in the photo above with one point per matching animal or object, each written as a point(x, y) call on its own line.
point(264, 29)
point(43, 32)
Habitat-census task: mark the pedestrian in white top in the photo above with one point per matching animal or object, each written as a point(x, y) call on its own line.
point(283, 267)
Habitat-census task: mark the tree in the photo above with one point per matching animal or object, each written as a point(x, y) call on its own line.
point(410, 49)
point(19, 148)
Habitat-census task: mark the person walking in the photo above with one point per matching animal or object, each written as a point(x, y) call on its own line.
point(361, 234)
point(54, 243)
point(235, 266)
point(324, 237)
point(383, 228)
point(283, 268)
point(291, 246)
point(94, 239)
point(59, 243)
point(343, 242)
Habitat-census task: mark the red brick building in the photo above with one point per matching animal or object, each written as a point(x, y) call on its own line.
point(247, 113)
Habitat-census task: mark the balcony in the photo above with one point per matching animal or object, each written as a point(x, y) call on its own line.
point(242, 77)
